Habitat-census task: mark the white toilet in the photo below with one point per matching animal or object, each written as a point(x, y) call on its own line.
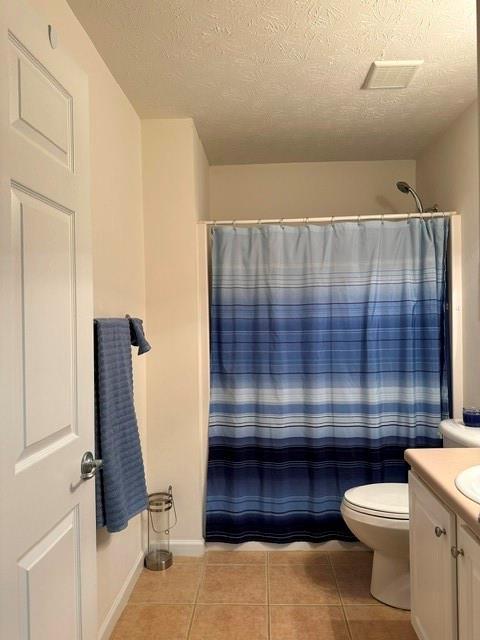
point(378, 515)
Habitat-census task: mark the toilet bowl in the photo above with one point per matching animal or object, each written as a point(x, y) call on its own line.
point(378, 515)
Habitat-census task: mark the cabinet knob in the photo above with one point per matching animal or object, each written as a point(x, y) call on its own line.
point(440, 532)
point(457, 552)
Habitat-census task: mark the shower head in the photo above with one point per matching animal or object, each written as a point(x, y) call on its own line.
point(404, 187)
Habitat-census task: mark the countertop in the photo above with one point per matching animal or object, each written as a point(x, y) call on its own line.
point(438, 469)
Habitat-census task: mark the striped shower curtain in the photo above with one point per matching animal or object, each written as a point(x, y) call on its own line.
point(328, 358)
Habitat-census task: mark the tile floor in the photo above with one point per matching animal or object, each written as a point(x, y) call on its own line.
point(254, 595)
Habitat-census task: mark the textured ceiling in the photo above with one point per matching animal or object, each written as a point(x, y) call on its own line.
point(279, 80)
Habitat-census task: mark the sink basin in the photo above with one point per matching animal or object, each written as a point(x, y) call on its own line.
point(468, 482)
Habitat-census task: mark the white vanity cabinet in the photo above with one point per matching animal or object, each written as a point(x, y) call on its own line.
point(432, 567)
point(444, 569)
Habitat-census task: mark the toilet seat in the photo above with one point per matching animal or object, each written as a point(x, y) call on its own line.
point(383, 500)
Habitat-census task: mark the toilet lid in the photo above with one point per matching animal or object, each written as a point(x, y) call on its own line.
point(386, 500)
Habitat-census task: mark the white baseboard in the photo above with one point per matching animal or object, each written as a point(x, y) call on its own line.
point(331, 545)
point(198, 547)
point(187, 547)
point(121, 600)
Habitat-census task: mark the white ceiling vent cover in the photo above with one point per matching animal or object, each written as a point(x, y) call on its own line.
point(391, 74)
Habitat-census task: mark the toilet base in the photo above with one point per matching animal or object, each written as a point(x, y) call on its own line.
point(391, 580)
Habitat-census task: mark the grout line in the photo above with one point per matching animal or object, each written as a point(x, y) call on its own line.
point(267, 574)
point(203, 567)
point(314, 605)
point(347, 625)
point(236, 564)
point(255, 604)
point(262, 564)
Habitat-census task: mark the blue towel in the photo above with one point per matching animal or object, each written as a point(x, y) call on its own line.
point(120, 486)
point(137, 335)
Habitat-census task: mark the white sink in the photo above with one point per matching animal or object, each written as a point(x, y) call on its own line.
point(468, 482)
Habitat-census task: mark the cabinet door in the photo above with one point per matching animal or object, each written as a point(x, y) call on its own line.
point(432, 567)
point(468, 569)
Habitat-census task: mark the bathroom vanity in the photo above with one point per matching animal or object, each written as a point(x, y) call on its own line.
point(444, 546)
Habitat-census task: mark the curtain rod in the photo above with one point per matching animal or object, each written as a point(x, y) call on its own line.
point(332, 219)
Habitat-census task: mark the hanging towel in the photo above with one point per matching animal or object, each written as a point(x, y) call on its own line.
point(120, 486)
point(137, 335)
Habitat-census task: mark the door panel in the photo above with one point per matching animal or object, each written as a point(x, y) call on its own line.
point(468, 583)
point(48, 558)
point(48, 286)
point(50, 571)
point(40, 107)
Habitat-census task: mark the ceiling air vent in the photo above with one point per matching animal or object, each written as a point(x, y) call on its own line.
point(391, 74)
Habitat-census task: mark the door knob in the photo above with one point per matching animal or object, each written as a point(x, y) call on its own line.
point(89, 466)
point(440, 532)
point(457, 552)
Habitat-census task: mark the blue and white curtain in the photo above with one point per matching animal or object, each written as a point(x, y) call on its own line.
point(328, 359)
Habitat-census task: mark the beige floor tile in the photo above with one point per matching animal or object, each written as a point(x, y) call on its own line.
point(233, 584)
point(353, 571)
point(379, 623)
point(153, 622)
point(302, 584)
point(307, 623)
point(351, 558)
point(297, 557)
point(236, 557)
point(188, 559)
point(178, 585)
point(229, 622)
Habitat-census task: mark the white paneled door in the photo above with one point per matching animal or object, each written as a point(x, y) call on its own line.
point(47, 572)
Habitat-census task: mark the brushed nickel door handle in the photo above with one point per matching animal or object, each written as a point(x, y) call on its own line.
point(89, 466)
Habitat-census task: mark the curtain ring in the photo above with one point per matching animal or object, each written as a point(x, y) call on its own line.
point(331, 221)
point(358, 220)
point(259, 223)
point(383, 218)
point(305, 221)
point(234, 224)
point(282, 225)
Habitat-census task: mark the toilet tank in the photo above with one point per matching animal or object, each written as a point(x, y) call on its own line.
point(456, 434)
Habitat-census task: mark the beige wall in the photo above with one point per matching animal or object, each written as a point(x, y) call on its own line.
point(175, 189)
point(118, 246)
point(447, 173)
point(297, 190)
